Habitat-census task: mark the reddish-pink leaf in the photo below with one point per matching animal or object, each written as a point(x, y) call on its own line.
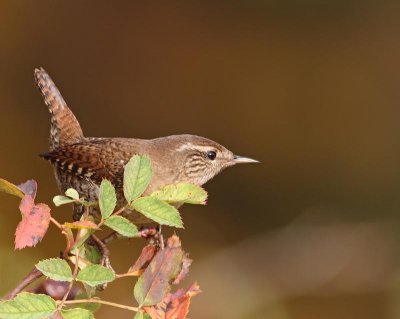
point(29, 188)
point(155, 283)
point(144, 259)
point(174, 306)
point(186, 262)
point(34, 224)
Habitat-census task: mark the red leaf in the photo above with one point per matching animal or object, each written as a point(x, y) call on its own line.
point(34, 224)
point(29, 188)
point(186, 262)
point(174, 306)
point(154, 284)
point(144, 259)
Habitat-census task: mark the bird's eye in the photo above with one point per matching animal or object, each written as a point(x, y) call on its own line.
point(211, 155)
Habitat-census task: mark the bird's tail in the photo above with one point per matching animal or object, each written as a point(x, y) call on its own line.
point(65, 128)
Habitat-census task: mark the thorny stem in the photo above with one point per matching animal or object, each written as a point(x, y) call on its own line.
point(99, 301)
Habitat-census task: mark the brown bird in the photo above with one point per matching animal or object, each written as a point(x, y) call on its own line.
point(82, 162)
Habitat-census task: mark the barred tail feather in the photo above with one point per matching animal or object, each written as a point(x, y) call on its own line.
point(65, 128)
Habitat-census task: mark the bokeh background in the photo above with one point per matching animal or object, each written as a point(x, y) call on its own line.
point(310, 88)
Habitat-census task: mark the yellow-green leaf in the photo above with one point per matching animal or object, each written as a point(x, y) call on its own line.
point(62, 200)
point(137, 176)
point(10, 188)
point(182, 193)
point(56, 269)
point(94, 275)
point(28, 306)
point(77, 313)
point(72, 193)
point(122, 226)
point(107, 198)
point(158, 210)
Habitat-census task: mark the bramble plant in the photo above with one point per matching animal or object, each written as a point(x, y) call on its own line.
point(157, 268)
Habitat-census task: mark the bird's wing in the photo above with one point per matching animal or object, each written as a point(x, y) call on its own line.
point(95, 159)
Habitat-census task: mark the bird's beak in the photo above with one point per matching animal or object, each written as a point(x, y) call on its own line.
point(241, 159)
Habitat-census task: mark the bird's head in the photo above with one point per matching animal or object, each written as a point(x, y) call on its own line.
point(200, 159)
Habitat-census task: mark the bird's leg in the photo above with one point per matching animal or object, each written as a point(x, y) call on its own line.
point(111, 237)
point(105, 253)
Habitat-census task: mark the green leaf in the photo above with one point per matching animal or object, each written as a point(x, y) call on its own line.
point(158, 210)
point(107, 198)
point(92, 254)
point(10, 188)
point(122, 226)
point(62, 200)
point(182, 193)
point(94, 275)
point(137, 176)
point(77, 313)
point(56, 269)
point(28, 306)
point(141, 315)
point(91, 306)
point(72, 193)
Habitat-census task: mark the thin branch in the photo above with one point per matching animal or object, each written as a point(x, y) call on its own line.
point(76, 269)
point(55, 222)
point(103, 302)
point(31, 277)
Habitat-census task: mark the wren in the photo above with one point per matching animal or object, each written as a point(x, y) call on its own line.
point(83, 162)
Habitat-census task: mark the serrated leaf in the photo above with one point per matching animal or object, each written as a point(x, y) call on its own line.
point(107, 198)
point(158, 210)
point(28, 306)
point(147, 254)
point(62, 200)
point(154, 284)
point(34, 224)
point(122, 226)
point(186, 262)
point(77, 313)
point(175, 305)
point(10, 188)
point(137, 176)
point(56, 269)
point(94, 275)
point(72, 193)
point(182, 193)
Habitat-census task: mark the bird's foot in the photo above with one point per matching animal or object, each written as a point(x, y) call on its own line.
point(105, 257)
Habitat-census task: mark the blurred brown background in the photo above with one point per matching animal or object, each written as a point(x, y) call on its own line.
point(310, 88)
